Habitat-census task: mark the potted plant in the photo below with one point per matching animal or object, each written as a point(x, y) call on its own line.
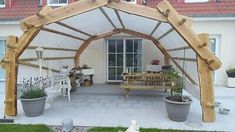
point(33, 96)
point(177, 105)
point(231, 72)
point(230, 80)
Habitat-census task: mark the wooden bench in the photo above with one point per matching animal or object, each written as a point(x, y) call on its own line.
point(144, 81)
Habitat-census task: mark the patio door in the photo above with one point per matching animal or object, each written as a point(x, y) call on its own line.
point(121, 55)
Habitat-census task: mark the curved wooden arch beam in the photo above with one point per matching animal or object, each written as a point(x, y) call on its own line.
point(177, 22)
point(87, 42)
point(133, 33)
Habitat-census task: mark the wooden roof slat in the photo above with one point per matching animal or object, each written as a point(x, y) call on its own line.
point(107, 17)
point(46, 58)
point(72, 28)
point(166, 33)
point(36, 66)
point(52, 48)
point(184, 59)
point(180, 48)
point(61, 33)
point(119, 18)
point(155, 28)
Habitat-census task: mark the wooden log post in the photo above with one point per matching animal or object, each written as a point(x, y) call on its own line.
point(206, 86)
point(166, 59)
point(11, 77)
point(14, 50)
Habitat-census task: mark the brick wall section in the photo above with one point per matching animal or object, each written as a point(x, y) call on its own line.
point(20, 9)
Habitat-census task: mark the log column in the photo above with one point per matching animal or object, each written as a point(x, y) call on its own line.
point(11, 68)
point(206, 85)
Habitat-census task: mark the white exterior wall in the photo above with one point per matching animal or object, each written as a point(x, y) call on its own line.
point(9, 29)
point(95, 54)
point(226, 32)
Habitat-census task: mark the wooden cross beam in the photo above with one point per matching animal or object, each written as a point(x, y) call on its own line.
point(61, 33)
point(72, 28)
point(37, 66)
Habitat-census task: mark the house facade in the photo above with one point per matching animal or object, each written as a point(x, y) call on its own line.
point(111, 56)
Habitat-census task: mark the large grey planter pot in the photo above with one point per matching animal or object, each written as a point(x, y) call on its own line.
point(177, 111)
point(33, 107)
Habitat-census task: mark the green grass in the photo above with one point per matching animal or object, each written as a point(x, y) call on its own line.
point(122, 129)
point(24, 128)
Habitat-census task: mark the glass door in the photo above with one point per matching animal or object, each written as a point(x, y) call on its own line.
point(123, 54)
point(115, 59)
point(134, 55)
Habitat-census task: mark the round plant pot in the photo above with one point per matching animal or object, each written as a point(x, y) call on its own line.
point(33, 107)
point(231, 74)
point(177, 111)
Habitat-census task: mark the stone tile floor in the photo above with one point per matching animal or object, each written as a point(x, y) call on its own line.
point(106, 105)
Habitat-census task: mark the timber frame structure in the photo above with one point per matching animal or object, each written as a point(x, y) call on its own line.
point(164, 13)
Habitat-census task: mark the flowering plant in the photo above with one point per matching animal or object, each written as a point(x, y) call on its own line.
point(33, 87)
point(155, 62)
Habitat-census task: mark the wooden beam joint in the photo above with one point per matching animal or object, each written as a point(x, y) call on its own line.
point(11, 46)
point(203, 45)
point(183, 20)
point(166, 13)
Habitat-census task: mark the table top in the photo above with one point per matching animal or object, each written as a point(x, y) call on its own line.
point(143, 74)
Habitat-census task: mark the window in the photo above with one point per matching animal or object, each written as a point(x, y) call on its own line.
point(2, 54)
point(195, 1)
point(130, 1)
point(214, 47)
point(57, 2)
point(123, 55)
point(2, 3)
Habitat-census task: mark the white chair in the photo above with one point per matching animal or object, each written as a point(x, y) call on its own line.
point(62, 84)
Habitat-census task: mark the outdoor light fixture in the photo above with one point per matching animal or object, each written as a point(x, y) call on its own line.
point(39, 53)
point(67, 125)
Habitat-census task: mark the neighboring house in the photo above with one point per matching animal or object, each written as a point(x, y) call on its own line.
point(216, 17)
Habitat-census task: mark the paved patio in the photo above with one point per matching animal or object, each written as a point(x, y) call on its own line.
point(106, 105)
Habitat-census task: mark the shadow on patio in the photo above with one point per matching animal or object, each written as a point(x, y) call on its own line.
point(106, 105)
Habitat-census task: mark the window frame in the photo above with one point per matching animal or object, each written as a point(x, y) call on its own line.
point(4, 5)
point(123, 38)
point(4, 39)
point(134, 2)
point(217, 38)
point(57, 4)
point(193, 1)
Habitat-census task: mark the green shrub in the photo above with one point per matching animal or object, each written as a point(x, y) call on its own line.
point(230, 70)
point(176, 80)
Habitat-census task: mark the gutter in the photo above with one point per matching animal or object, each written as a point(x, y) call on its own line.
point(9, 22)
point(213, 18)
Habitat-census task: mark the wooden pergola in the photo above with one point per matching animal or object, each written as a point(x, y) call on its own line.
point(169, 31)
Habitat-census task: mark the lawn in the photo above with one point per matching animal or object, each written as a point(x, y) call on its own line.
point(23, 128)
point(122, 129)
